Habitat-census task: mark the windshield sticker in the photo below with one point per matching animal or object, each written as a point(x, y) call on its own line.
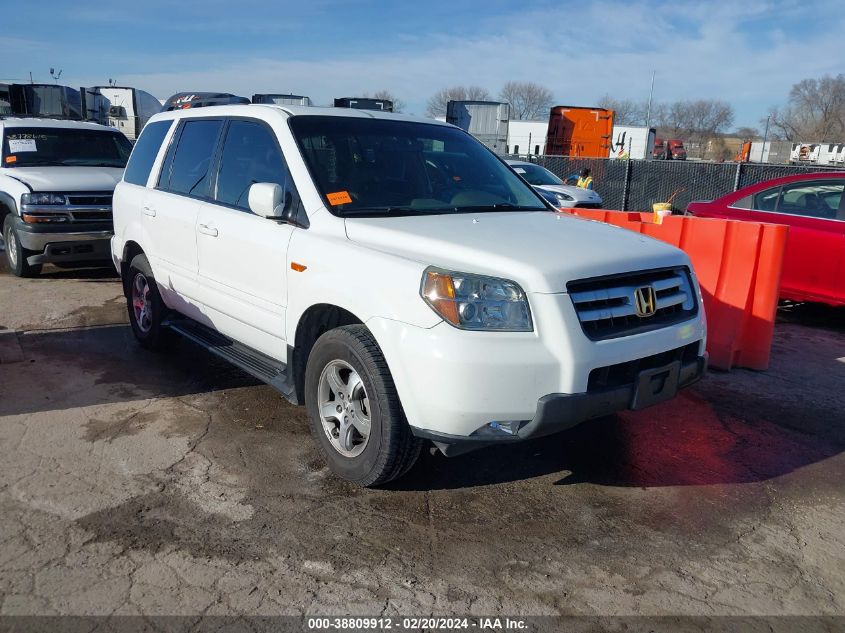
point(17, 146)
point(339, 197)
point(519, 170)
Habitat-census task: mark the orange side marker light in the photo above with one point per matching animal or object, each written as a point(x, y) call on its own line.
point(298, 267)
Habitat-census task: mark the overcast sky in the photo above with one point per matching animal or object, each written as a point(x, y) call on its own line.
point(748, 52)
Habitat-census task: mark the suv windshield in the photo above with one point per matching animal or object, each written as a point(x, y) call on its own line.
point(378, 166)
point(536, 175)
point(50, 146)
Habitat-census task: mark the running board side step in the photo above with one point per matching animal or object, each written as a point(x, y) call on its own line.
point(269, 370)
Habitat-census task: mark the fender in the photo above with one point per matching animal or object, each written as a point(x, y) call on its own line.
point(328, 278)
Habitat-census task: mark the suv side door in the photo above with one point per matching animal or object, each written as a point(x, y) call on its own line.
point(243, 256)
point(815, 250)
point(170, 211)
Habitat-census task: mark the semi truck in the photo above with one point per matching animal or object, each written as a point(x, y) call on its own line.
point(579, 131)
point(127, 109)
point(672, 148)
point(364, 103)
point(630, 141)
point(485, 120)
point(42, 100)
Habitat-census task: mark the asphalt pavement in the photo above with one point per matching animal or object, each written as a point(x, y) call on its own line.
point(140, 483)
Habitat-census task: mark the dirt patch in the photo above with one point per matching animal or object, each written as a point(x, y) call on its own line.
point(161, 521)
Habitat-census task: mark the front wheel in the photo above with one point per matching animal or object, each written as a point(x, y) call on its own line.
point(16, 254)
point(354, 411)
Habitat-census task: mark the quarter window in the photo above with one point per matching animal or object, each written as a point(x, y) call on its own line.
point(767, 200)
point(186, 170)
point(145, 152)
point(743, 203)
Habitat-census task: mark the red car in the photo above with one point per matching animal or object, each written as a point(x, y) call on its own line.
point(813, 207)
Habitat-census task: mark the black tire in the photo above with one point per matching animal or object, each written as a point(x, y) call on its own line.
point(391, 449)
point(150, 334)
point(16, 254)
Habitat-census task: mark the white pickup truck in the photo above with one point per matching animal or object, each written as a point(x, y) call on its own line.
point(397, 278)
point(56, 183)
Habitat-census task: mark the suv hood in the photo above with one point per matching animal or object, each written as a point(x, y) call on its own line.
point(60, 178)
point(541, 251)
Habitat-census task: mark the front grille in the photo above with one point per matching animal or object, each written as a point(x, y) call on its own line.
point(90, 215)
point(606, 306)
point(90, 207)
point(588, 205)
point(90, 199)
point(623, 374)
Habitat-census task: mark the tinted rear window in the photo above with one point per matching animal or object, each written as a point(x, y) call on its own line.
point(189, 169)
point(145, 152)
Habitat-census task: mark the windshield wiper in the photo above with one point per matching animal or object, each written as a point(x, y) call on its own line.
point(397, 210)
point(499, 206)
point(88, 162)
point(36, 163)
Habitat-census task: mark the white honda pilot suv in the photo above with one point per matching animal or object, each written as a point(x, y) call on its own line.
point(395, 277)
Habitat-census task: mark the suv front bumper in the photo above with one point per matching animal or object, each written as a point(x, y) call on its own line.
point(557, 412)
point(459, 385)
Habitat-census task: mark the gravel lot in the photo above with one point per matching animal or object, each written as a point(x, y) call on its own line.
point(132, 482)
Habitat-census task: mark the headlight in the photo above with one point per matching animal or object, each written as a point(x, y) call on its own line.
point(42, 198)
point(475, 302)
point(563, 197)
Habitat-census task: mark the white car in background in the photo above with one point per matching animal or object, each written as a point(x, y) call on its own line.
point(553, 188)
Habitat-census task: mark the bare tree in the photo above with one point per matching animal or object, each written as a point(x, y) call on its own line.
point(528, 100)
point(625, 111)
point(697, 122)
point(437, 104)
point(748, 133)
point(398, 104)
point(815, 111)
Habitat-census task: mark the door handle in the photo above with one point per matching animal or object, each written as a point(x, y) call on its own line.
point(149, 211)
point(207, 230)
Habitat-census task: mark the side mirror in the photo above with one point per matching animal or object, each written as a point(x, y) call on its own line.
point(267, 199)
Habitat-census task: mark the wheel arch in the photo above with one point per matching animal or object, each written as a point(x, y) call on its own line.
point(131, 249)
point(315, 321)
point(7, 207)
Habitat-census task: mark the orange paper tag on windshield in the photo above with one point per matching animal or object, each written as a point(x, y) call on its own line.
point(339, 197)
point(11, 159)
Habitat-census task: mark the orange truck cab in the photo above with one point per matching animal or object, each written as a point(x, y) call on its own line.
point(579, 131)
point(675, 147)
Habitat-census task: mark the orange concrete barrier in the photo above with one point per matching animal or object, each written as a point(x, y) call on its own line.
point(738, 265)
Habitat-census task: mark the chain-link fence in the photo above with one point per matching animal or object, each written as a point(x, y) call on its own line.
point(635, 185)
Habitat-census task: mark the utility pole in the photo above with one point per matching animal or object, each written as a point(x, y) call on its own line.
point(765, 137)
point(650, 97)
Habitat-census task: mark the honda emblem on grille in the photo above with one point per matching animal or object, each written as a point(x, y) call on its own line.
point(645, 301)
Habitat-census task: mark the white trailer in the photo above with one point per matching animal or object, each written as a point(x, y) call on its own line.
point(485, 120)
point(527, 137)
point(630, 141)
point(281, 99)
point(817, 154)
point(127, 109)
